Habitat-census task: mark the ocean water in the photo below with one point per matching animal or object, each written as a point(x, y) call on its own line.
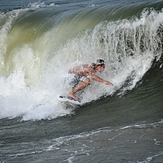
point(40, 41)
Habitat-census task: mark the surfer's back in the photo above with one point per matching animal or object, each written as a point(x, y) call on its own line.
point(80, 70)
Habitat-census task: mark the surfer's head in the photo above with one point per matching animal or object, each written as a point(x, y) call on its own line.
point(100, 62)
point(99, 65)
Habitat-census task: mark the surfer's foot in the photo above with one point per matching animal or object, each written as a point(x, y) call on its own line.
point(72, 96)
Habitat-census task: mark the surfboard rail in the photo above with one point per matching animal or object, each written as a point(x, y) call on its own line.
point(69, 99)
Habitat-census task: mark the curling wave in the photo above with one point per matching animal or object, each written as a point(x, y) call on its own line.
point(39, 45)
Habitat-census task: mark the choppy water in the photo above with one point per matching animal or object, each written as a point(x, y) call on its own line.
point(41, 41)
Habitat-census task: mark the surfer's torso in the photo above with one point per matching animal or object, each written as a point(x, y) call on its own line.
point(82, 70)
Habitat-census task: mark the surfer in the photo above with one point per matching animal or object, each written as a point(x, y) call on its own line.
point(83, 74)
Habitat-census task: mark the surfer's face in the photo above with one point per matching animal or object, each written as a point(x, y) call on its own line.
point(100, 68)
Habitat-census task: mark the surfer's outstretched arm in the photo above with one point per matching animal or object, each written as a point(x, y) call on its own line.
point(96, 78)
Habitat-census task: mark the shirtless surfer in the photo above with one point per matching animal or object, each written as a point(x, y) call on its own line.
point(83, 73)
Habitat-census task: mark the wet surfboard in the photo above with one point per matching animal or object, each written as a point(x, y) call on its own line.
point(69, 99)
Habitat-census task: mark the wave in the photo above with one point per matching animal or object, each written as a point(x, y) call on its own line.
point(40, 43)
point(109, 140)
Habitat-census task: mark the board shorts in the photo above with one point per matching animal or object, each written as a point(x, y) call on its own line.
point(77, 79)
point(73, 80)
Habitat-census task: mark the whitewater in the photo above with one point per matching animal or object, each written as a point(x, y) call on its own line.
point(34, 62)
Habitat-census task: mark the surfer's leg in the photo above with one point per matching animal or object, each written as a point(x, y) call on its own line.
point(78, 87)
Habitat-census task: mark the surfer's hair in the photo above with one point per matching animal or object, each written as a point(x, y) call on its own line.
point(98, 62)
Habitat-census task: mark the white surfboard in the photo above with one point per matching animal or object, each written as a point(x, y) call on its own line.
point(69, 99)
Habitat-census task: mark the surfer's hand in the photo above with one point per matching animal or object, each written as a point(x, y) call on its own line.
point(108, 83)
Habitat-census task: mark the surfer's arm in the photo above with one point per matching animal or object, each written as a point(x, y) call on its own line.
point(70, 71)
point(96, 78)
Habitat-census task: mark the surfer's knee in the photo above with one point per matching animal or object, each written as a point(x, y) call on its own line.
point(86, 81)
point(81, 85)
